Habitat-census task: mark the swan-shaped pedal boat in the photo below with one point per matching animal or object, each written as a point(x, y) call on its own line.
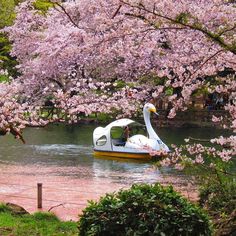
point(111, 140)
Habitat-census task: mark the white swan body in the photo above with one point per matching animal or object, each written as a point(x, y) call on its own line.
point(142, 142)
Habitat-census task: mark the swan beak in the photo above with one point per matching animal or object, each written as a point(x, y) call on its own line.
point(154, 111)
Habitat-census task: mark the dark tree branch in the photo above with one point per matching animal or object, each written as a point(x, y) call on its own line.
point(207, 60)
point(216, 170)
point(195, 26)
point(199, 139)
point(62, 204)
point(17, 134)
point(227, 30)
point(14, 132)
point(66, 13)
point(152, 23)
point(116, 12)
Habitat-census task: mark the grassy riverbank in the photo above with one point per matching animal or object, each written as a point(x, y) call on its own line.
point(40, 224)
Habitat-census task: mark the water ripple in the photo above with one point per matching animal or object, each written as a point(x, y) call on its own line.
point(62, 149)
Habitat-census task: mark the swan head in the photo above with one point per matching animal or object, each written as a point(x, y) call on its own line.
point(149, 107)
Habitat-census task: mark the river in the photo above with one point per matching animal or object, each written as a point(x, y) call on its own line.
point(61, 158)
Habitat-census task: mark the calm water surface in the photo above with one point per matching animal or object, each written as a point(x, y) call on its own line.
point(68, 151)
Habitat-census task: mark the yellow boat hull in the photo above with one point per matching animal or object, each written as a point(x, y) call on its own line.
point(127, 155)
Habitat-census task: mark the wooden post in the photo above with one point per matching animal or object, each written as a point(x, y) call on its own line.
point(40, 195)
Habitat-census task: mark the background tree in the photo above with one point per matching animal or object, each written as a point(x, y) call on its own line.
point(79, 54)
point(7, 16)
point(15, 114)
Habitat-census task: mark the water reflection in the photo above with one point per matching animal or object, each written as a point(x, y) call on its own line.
point(67, 150)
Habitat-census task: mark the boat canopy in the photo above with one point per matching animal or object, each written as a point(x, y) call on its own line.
point(120, 123)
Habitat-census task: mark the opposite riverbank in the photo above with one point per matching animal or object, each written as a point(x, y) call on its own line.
point(192, 118)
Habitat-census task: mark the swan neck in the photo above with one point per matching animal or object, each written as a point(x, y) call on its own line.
point(151, 133)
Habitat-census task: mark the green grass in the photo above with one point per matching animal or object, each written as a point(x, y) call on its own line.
point(40, 224)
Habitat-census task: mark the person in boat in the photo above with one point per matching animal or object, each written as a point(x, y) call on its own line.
point(126, 133)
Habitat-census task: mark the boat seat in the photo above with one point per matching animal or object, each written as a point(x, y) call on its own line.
point(118, 142)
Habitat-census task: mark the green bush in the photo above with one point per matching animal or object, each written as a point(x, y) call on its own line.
point(217, 193)
point(144, 210)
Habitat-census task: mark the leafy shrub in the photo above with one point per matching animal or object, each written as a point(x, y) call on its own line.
point(144, 210)
point(219, 196)
point(217, 185)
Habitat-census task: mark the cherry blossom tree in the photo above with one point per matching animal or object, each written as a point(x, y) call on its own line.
point(111, 56)
point(15, 115)
point(127, 40)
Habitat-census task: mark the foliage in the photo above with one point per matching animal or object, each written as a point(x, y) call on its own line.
point(214, 169)
point(217, 186)
point(218, 194)
point(4, 78)
point(7, 62)
point(4, 208)
point(144, 210)
point(7, 16)
point(43, 5)
point(214, 173)
point(6, 12)
point(103, 118)
point(39, 223)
